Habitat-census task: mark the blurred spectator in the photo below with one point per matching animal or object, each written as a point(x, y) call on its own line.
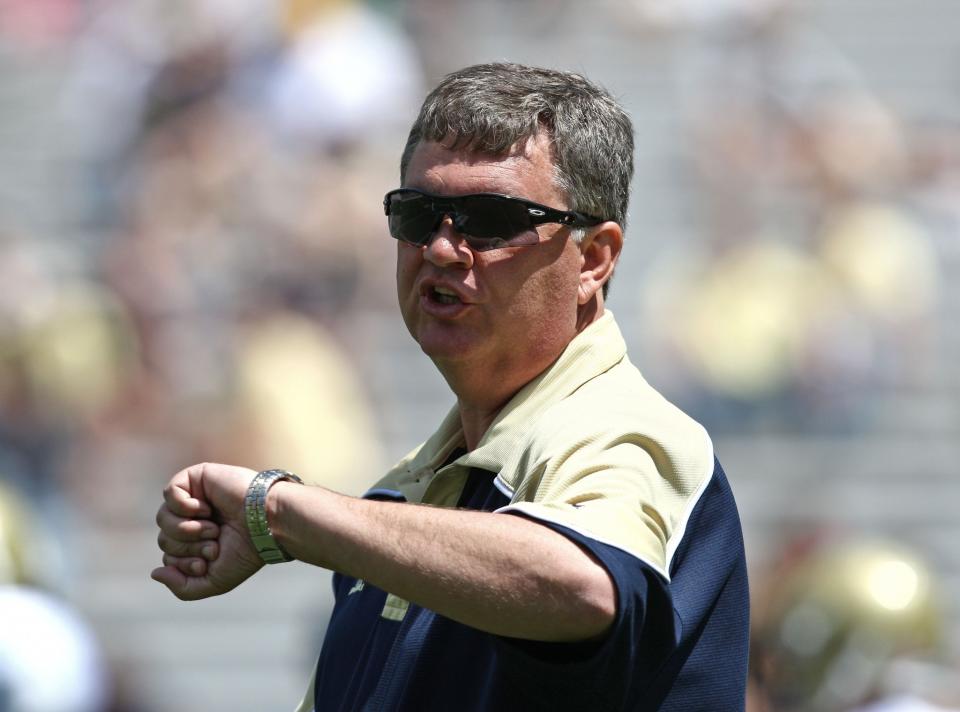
point(849, 625)
point(740, 321)
point(78, 354)
point(298, 401)
point(50, 660)
point(220, 211)
point(347, 76)
point(39, 24)
point(317, 77)
point(64, 357)
point(815, 288)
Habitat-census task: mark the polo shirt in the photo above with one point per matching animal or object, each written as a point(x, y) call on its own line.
point(590, 450)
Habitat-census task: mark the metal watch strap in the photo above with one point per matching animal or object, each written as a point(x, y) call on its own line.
point(255, 507)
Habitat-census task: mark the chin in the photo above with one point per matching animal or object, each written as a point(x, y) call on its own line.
point(444, 350)
point(446, 344)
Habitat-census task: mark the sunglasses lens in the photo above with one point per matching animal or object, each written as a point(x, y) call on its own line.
point(487, 222)
point(490, 222)
point(412, 218)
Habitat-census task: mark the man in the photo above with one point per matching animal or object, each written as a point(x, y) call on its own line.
point(603, 566)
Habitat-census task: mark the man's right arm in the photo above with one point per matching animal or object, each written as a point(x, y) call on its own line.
point(500, 573)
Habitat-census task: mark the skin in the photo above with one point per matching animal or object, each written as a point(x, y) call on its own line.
point(524, 304)
point(518, 309)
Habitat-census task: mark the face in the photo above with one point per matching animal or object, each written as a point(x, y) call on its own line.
point(502, 315)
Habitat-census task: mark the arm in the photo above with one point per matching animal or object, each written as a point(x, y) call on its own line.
point(500, 573)
point(496, 572)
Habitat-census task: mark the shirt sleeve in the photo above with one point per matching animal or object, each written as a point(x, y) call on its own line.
point(612, 673)
point(616, 493)
point(626, 476)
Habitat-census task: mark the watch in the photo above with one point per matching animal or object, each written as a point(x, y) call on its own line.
point(255, 507)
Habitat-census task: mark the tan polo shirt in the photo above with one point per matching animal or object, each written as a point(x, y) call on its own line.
point(588, 445)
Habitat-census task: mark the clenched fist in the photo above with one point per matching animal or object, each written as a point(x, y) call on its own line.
point(206, 548)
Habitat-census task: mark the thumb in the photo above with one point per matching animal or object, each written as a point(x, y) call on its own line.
point(186, 588)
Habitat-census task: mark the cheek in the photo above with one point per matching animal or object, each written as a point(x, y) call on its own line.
point(408, 263)
point(547, 298)
point(560, 280)
point(408, 266)
point(406, 276)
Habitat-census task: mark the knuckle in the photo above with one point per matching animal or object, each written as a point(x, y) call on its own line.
point(188, 528)
point(166, 544)
point(161, 515)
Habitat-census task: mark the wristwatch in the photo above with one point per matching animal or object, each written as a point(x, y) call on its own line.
point(255, 507)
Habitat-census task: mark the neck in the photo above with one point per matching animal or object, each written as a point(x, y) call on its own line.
point(476, 421)
point(482, 395)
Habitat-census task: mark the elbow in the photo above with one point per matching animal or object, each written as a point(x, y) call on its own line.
point(599, 603)
point(591, 607)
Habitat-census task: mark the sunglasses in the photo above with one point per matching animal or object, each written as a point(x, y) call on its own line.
point(487, 221)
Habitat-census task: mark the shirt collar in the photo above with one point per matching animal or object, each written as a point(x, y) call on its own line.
point(593, 351)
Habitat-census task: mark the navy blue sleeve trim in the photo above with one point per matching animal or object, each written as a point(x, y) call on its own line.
point(610, 673)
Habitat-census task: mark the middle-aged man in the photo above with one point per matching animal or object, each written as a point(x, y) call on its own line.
point(566, 539)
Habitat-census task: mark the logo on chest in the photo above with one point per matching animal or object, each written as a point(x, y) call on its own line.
point(394, 608)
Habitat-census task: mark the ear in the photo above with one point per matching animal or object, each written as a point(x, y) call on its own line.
point(599, 252)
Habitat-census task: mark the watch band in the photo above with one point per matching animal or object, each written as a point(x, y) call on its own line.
point(255, 508)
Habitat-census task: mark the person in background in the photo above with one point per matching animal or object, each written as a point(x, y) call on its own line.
point(852, 624)
point(50, 658)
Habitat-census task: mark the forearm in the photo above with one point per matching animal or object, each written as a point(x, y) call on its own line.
point(495, 572)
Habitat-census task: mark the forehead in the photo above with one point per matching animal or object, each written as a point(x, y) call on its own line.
point(526, 171)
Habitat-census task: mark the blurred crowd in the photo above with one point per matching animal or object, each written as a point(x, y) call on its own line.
point(845, 624)
point(217, 233)
point(223, 231)
point(813, 287)
point(197, 301)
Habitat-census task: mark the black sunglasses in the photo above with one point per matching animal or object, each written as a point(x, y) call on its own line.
point(486, 220)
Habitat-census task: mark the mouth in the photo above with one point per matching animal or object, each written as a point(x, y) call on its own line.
point(441, 295)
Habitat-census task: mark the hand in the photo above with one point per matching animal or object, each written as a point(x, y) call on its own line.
point(206, 547)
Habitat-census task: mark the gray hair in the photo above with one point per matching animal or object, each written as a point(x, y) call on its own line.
point(491, 107)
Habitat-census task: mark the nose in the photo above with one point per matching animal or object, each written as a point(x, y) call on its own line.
point(447, 247)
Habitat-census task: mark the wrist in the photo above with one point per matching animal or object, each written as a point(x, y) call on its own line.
point(305, 522)
point(277, 506)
